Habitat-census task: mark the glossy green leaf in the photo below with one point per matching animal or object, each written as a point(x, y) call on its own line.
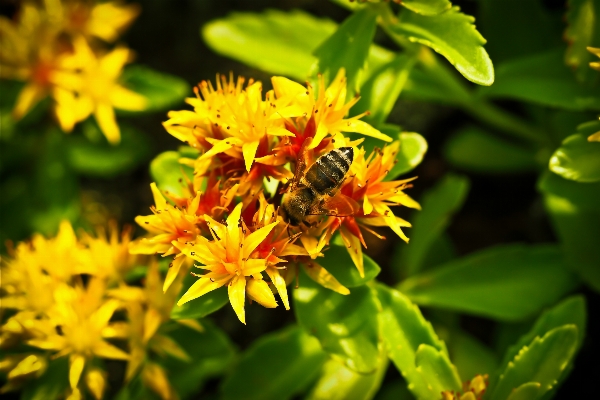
point(583, 30)
point(338, 382)
point(404, 329)
point(544, 79)
point(527, 391)
point(436, 367)
point(477, 150)
point(437, 205)
point(276, 366)
point(381, 90)
point(99, 158)
point(346, 325)
point(577, 159)
point(543, 361)
point(162, 91)
point(211, 354)
point(413, 147)
point(348, 47)
point(168, 173)
point(508, 282)
point(277, 42)
point(470, 356)
point(573, 209)
point(427, 7)
point(453, 35)
point(203, 305)
point(338, 263)
point(568, 312)
point(52, 384)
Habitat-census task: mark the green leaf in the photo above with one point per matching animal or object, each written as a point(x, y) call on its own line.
point(413, 346)
point(168, 173)
point(395, 390)
point(276, 366)
point(470, 356)
point(338, 263)
point(476, 150)
point(583, 31)
point(276, 42)
point(412, 151)
point(51, 385)
point(203, 305)
point(573, 208)
point(543, 361)
point(543, 79)
point(346, 325)
point(348, 47)
point(507, 282)
point(568, 312)
point(438, 205)
point(453, 35)
point(427, 7)
point(527, 391)
point(99, 158)
point(381, 90)
point(577, 159)
point(211, 354)
point(338, 382)
point(162, 91)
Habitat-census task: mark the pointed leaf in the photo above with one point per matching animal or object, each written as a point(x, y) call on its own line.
point(438, 205)
point(453, 35)
point(543, 361)
point(476, 150)
point(527, 391)
point(404, 329)
point(508, 282)
point(427, 7)
point(577, 159)
point(436, 368)
point(338, 382)
point(346, 325)
point(348, 47)
point(276, 366)
point(274, 41)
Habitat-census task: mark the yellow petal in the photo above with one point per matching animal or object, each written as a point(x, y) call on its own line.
point(219, 146)
point(155, 377)
point(254, 239)
point(319, 135)
point(105, 116)
point(358, 126)
point(105, 350)
point(138, 355)
point(74, 395)
point(29, 96)
point(96, 382)
point(254, 266)
point(125, 99)
point(169, 346)
point(152, 320)
point(103, 314)
point(199, 288)
point(112, 63)
point(77, 362)
point(172, 273)
point(249, 151)
point(280, 285)
point(237, 296)
point(259, 291)
point(192, 324)
point(320, 275)
point(367, 206)
point(159, 199)
point(29, 365)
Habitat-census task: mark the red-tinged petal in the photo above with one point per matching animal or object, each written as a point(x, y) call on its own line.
point(237, 296)
point(252, 241)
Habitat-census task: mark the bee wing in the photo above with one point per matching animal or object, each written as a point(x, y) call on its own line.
point(339, 205)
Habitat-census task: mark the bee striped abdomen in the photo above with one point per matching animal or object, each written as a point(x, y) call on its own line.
point(328, 172)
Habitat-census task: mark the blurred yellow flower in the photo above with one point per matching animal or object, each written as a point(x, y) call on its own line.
point(594, 64)
point(472, 390)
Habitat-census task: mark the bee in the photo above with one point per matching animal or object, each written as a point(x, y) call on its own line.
point(316, 191)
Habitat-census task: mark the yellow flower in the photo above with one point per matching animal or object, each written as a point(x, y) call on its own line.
point(231, 260)
point(230, 119)
point(328, 107)
point(88, 84)
point(472, 390)
point(20, 367)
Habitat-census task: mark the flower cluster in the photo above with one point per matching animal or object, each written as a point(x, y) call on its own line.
point(471, 390)
point(252, 151)
point(59, 49)
point(68, 297)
